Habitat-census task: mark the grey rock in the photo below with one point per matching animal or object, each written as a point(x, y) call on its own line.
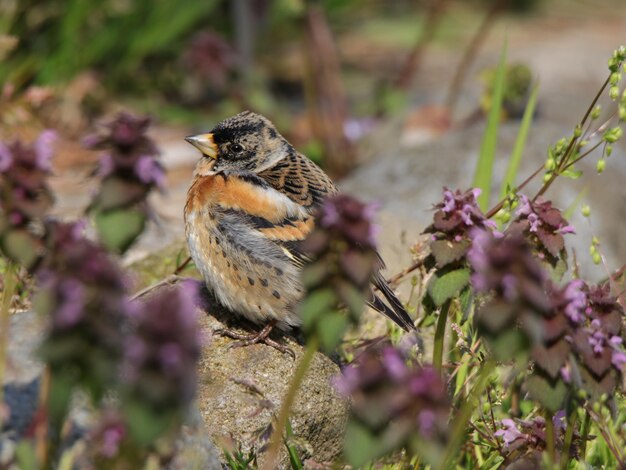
point(241, 388)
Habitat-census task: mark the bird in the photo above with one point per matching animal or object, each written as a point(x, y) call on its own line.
point(251, 203)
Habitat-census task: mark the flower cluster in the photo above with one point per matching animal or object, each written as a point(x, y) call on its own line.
point(505, 268)
point(543, 225)
point(343, 260)
point(159, 359)
point(525, 440)
point(395, 404)
point(457, 215)
point(24, 196)
point(572, 333)
point(454, 220)
point(129, 170)
point(82, 292)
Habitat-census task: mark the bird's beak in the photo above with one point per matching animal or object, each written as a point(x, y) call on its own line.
point(204, 143)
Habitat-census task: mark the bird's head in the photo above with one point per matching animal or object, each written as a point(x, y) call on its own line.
point(244, 142)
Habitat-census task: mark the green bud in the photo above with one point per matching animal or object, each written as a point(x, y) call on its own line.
point(614, 92)
point(515, 203)
point(550, 164)
point(583, 143)
point(593, 250)
point(615, 78)
point(578, 131)
point(597, 259)
point(504, 216)
point(547, 177)
point(612, 135)
point(600, 165)
point(585, 210)
point(595, 114)
point(595, 240)
point(622, 113)
point(608, 150)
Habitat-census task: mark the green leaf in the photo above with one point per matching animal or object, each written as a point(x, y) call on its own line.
point(466, 302)
point(331, 330)
point(146, 424)
point(550, 396)
point(444, 286)
point(21, 247)
point(294, 458)
point(118, 229)
point(446, 252)
point(360, 445)
point(316, 304)
point(520, 143)
point(484, 166)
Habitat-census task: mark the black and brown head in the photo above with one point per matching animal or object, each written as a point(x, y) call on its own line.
point(244, 142)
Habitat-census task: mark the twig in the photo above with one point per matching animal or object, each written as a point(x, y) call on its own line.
point(182, 266)
point(411, 65)
point(470, 53)
point(169, 280)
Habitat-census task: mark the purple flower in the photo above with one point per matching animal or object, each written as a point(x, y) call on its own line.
point(509, 433)
point(426, 420)
point(5, 158)
point(619, 359)
point(449, 202)
point(149, 171)
point(43, 149)
point(164, 348)
point(106, 165)
point(535, 222)
point(524, 207)
point(72, 303)
point(577, 301)
point(394, 363)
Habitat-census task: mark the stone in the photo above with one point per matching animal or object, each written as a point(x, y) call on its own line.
point(240, 389)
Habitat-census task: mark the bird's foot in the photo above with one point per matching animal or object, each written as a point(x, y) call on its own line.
point(262, 336)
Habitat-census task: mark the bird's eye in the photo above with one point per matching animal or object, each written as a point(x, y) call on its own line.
point(236, 148)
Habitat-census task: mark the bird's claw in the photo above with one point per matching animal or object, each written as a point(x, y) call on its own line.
point(250, 339)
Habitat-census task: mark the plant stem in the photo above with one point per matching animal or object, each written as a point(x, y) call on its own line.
point(10, 285)
point(584, 435)
point(439, 335)
point(271, 459)
point(459, 426)
point(550, 436)
point(569, 434)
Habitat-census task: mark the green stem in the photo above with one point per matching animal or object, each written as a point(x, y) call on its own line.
point(439, 335)
point(550, 436)
point(459, 426)
point(10, 284)
point(585, 435)
point(271, 459)
point(569, 434)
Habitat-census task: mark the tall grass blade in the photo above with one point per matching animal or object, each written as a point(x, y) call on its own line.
point(484, 166)
point(520, 143)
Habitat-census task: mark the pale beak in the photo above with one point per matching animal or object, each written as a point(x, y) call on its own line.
point(204, 143)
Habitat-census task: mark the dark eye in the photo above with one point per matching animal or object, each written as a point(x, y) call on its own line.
point(236, 148)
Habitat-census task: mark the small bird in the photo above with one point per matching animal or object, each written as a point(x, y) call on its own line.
point(251, 203)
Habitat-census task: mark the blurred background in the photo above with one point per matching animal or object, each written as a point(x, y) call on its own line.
point(389, 96)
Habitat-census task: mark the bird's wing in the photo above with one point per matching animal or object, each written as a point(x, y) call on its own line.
point(306, 185)
point(300, 180)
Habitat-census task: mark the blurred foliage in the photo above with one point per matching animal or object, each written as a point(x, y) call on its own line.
point(120, 39)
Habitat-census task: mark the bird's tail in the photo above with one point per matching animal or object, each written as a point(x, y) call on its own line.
point(395, 311)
